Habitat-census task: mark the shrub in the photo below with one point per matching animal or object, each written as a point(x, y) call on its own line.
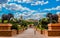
point(15, 26)
point(44, 22)
point(0, 20)
point(5, 21)
point(23, 23)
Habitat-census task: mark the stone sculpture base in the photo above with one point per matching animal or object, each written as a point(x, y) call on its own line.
point(5, 30)
point(53, 30)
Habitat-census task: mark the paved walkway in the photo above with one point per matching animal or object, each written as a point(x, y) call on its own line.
point(29, 33)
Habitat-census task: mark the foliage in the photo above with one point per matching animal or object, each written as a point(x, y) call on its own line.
point(30, 22)
point(51, 18)
point(5, 21)
point(17, 22)
point(0, 20)
point(44, 22)
point(23, 23)
point(15, 26)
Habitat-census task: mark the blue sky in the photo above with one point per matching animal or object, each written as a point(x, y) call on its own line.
point(29, 9)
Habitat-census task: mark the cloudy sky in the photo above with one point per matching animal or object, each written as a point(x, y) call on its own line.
point(29, 9)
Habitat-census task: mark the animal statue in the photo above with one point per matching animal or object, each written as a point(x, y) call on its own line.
point(7, 17)
point(52, 17)
point(55, 17)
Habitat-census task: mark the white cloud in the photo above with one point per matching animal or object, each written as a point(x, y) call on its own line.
point(37, 16)
point(28, 13)
point(0, 7)
point(57, 0)
point(17, 15)
point(16, 7)
point(31, 15)
point(40, 3)
point(32, 2)
point(23, 1)
point(10, 0)
point(19, 1)
point(54, 8)
point(15, 0)
point(13, 6)
point(27, 1)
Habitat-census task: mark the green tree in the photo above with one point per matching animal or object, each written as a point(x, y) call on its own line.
point(23, 23)
point(44, 22)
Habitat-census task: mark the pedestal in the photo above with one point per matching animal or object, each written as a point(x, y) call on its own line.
point(55, 26)
point(5, 30)
point(53, 29)
point(5, 26)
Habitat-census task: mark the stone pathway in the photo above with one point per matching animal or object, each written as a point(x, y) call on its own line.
point(29, 33)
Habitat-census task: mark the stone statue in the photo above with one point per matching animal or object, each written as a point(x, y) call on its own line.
point(52, 17)
point(7, 17)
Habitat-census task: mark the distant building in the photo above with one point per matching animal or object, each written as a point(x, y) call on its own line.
point(32, 20)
